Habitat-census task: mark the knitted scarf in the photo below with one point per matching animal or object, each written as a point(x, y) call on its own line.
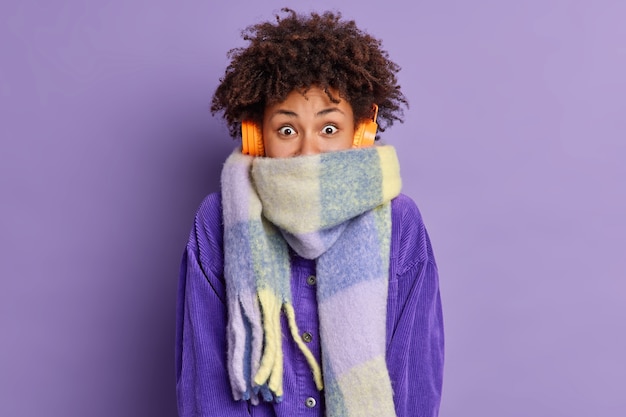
point(332, 207)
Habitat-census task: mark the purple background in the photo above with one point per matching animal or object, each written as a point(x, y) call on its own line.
point(513, 147)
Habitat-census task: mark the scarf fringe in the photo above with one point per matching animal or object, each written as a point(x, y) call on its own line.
point(247, 348)
point(271, 369)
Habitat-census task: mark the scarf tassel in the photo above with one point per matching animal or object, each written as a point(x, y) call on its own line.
point(270, 371)
point(258, 348)
point(295, 333)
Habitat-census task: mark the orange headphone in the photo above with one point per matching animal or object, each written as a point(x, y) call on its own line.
point(252, 138)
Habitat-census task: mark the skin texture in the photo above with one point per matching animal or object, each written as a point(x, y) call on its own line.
point(307, 123)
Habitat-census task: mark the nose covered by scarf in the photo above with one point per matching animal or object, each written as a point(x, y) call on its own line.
point(334, 208)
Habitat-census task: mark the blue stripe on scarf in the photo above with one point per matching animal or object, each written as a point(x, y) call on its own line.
point(359, 169)
point(270, 258)
point(335, 403)
point(362, 268)
point(238, 257)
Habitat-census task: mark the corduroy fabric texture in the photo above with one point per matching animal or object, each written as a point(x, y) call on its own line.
point(331, 207)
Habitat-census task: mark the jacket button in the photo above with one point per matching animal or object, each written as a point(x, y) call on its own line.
point(310, 402)
point(311, 280)
point(307, 337)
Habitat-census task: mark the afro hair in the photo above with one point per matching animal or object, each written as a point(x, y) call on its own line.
point(297, 52)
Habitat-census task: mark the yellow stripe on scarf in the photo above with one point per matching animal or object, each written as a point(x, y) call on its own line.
point(362, 397)
point(391, 172)
point(272, 360)
point(295, 333)
point(290, 177)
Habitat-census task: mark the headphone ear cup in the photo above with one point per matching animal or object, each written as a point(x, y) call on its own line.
point(251, 139)
point(365, 134)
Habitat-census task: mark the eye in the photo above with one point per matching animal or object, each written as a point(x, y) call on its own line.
point(329, 130)
point(286, 131)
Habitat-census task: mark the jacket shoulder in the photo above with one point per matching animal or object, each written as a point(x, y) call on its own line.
point(206, 238)
point(410, 243)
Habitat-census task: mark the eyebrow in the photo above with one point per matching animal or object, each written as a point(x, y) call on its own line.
point(320, 113)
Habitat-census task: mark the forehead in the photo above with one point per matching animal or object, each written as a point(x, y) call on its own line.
point(312, 98)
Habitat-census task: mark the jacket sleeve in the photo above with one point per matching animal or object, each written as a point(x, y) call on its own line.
point(202, 383)
point(416, 351)
point(415, 336)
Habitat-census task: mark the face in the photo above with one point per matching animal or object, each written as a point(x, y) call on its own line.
point(307, 124)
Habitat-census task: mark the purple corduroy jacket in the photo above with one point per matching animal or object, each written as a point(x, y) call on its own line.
point(415, 347)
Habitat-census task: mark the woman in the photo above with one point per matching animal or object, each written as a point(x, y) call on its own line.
point(308, 285)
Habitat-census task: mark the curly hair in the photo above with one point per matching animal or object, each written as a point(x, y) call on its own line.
point(297, 52)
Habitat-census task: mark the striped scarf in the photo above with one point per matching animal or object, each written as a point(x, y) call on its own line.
point(333, 207)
